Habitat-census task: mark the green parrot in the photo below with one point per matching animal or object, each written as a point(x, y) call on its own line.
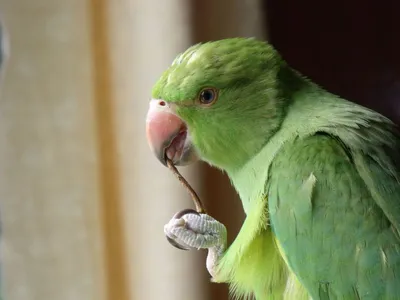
point(318, 176)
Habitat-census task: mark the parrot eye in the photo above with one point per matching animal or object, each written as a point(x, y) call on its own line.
point(208, 96)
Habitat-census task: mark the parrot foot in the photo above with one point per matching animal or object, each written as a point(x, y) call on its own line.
point(199, 231)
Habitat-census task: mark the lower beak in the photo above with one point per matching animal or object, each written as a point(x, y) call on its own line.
point(167, 135)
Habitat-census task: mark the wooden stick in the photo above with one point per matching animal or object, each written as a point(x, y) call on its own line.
point(197, 202)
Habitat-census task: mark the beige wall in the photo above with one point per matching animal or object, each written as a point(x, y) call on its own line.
point(83, 200)
point(49, 187)
point(144, 37)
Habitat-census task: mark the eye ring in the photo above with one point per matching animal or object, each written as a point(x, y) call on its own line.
point(208, 96)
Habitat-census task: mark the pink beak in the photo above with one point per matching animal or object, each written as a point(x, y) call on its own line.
point(167, 134)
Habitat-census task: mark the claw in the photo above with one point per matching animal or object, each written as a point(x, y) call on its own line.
point(186, 211)
point(175, 244)
point(179, 215)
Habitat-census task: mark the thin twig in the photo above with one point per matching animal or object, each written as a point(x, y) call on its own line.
point(197, 202)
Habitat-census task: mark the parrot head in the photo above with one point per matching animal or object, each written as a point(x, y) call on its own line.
point(219, 102)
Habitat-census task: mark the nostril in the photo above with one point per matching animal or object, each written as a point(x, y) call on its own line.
point(162, 103)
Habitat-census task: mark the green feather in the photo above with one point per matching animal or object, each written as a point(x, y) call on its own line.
point(231, 66)
point(318, 176)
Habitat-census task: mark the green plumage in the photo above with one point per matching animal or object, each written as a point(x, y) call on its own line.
point(318, 176)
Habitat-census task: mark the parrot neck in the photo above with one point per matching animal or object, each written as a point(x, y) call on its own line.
point(246, 132)
point(312, 110)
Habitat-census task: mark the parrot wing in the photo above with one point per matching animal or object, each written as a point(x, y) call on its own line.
point(334, 205)
point(380, 171)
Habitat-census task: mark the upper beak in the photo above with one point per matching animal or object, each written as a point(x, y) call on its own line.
point(167, 134)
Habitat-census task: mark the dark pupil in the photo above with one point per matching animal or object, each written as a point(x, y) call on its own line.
point(207, 96)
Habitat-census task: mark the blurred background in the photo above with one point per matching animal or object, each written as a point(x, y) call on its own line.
point(83, 201)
